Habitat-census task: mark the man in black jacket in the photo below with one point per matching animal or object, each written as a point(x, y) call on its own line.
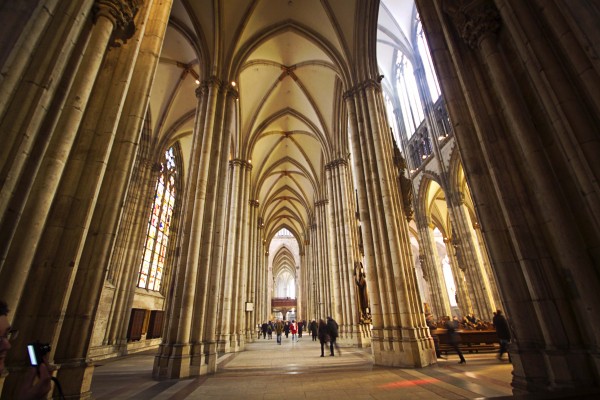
point(503, 332)
point(332, 330)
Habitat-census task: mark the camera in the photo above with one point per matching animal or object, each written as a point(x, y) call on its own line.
point(37, 351)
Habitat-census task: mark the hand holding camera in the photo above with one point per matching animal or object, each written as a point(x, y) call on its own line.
point(38, 381)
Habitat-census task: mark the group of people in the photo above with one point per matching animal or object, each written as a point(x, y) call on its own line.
point(38, 380)
point(324, 331)
point(328, 332)
point(287, 327)
point(452, 325)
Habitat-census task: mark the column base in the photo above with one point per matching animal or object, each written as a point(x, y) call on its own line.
point(172, 362)
point(210, 357)
point(224, 343)
point(391, 349)
point(549, 371)
point(238, 343)
point(75, 378)
point(358, 335)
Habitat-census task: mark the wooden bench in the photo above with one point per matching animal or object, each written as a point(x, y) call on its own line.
point(470, 341)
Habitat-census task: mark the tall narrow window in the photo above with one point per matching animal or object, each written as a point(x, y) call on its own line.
point(159, 223)
point(432, 81)
point(408, 93)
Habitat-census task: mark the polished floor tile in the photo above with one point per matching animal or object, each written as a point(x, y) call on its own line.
point(295, 370)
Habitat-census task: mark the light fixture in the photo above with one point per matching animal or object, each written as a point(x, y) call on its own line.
point(424, 156)
point(197, 82)
point(233, 83)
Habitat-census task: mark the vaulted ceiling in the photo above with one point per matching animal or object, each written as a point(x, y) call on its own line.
point(290, 61)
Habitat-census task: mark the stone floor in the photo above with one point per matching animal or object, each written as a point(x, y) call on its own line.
point(295, 370)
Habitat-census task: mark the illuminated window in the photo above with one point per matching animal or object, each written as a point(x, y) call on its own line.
point(159, 224)
point(408, 94)
point(432, 80)
point(283, 232)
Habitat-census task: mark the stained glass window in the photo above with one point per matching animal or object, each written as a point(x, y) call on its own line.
point(157, 236)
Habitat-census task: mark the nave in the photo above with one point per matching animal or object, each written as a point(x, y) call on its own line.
point(295, 370)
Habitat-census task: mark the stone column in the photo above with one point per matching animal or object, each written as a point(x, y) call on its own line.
point(483, 254)
point(229, 264)
point(65, 238)
point(335, 248)
point(432, 268)
point(324, 281)
point(24, 25)
point(241, 261)
point(566, 241)
point(477, 281)
point(213, 235)
point(125, 261)
point(458, 273)
point(173, 358)
point(400, 337)
point(510, 109)
point(343, 229)
point(46, 183)
point(131, 235)
point(30, 99)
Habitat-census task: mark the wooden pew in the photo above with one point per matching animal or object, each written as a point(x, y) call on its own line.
point(470, 341)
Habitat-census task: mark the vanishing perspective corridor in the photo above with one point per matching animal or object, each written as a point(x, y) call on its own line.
point(295, 371)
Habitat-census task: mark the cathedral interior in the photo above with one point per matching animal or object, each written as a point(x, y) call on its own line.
point(174, 173)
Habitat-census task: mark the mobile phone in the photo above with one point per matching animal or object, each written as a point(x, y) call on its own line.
point(32, 356)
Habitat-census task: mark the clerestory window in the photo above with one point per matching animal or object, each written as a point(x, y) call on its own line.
point(157, 236)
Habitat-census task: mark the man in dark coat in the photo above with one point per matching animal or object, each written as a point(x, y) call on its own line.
point(313, 330)
point(264, 327)
point(503, 332)
point(454, 337)
point(332, 330)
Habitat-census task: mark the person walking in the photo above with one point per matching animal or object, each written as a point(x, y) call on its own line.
point(503, 332)
point(294, 331)
point(323, 336)
point(454, 338)
point(313, 327)
point(264, 328)
point(332, 330)
point(278, 331)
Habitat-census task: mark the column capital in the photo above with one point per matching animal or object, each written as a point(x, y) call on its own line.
point(253, 203)
point(321, 203)
point(120, 12)
point(369, 83)
point(243, 163)
point(336, 163)
point(458, 198)
point(474, 19)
